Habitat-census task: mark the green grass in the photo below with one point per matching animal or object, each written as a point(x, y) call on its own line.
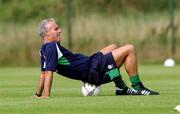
point(17, 86)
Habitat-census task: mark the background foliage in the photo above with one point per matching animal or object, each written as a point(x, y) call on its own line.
point(96, 23)
point(23, 11)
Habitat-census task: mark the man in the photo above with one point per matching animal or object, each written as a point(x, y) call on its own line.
point(100, 68)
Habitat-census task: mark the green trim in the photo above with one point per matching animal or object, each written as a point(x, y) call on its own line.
point(113, 73)
point(63, 61)
point(135, 79)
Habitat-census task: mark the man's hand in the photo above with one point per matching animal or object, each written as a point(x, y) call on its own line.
point(36, 95)
point(40, 96)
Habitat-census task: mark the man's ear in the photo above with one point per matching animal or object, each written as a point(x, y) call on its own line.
point(47, 33)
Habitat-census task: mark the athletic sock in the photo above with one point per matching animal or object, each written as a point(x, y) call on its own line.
point(135, 80)
point(119, 83)
point(114, 74)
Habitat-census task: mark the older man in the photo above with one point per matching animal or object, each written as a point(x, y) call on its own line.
point(100, 68)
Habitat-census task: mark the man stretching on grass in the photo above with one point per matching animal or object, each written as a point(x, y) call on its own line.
point(100, 68)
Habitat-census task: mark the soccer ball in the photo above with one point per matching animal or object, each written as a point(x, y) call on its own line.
point(177, 108)
point(169, 62)
point(90, 89)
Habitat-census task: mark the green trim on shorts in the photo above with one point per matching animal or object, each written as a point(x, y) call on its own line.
point(113, 73)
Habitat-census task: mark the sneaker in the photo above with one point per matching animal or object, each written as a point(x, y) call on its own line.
point(145, 91)
point(126, 91)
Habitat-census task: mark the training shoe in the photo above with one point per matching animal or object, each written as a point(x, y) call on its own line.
point(126, 91)
point(145, 91)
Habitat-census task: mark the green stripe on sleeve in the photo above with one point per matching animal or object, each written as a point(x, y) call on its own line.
point(63, 61)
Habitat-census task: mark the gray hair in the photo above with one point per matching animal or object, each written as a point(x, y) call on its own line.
point(43, 26)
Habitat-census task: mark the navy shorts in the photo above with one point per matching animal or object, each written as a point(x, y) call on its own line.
point(99, 66)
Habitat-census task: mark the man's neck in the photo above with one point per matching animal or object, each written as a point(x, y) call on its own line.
point(47, 40)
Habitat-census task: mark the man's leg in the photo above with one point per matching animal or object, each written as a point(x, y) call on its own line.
point(114, 75)
point(108, 49)
point(127, 55)
point(118, 80)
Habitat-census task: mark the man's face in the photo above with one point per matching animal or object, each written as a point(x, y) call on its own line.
point(54, 32)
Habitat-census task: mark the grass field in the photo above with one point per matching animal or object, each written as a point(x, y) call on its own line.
point(17, 86)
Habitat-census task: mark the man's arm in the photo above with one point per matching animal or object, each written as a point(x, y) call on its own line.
point(40, 85)
point(45, 83)
point(48, 83)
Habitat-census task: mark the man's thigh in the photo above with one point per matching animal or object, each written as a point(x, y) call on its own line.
point(120, 54)
point(108, 49)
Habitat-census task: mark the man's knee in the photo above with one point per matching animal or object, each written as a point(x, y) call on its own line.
point(130, 47)
point(113, 46)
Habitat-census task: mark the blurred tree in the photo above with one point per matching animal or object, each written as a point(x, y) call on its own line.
point(26, 10)
point(23, 11)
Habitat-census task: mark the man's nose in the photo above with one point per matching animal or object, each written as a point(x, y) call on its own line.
point(60, 31)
